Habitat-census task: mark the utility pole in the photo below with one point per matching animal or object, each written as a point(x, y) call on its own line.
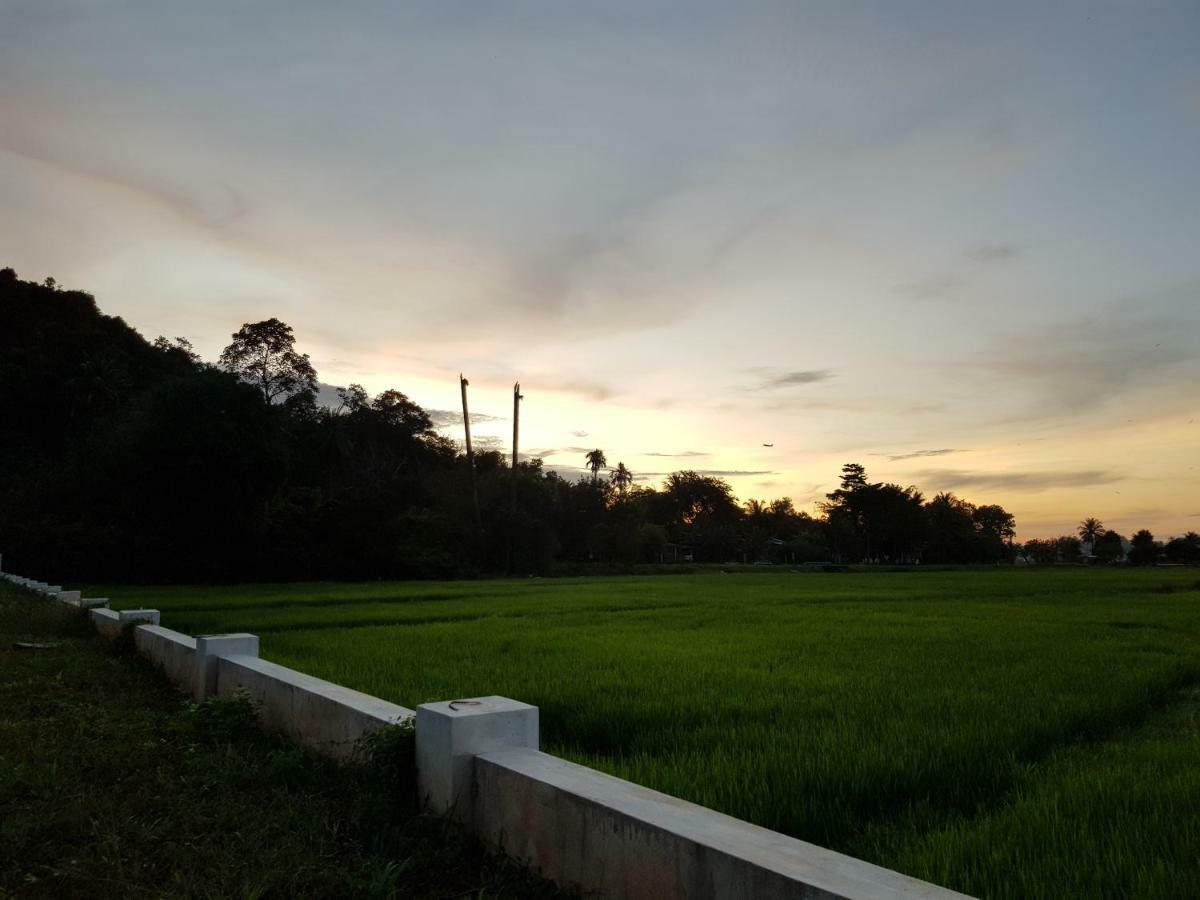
point(517, 398)
point(462, 383)
point(512, 515)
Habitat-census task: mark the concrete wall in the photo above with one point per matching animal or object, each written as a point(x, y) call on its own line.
point(107, 621)
point(170, 651)
point(323, 715)
point(617, 839)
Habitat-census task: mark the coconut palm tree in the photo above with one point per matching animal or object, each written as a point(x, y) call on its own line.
point(622, 478)
point(1090, 530)
point(596, 462)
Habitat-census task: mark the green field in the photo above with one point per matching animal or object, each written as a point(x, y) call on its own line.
point(1009, 733)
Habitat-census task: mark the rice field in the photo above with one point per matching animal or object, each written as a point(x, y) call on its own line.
point(1008, 733)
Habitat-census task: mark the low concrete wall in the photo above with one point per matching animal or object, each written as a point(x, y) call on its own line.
point(107, 621)
point(617, 839)
point(324, 715)
point(170, 651)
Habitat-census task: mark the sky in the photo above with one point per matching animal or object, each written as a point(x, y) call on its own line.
point(956, 242)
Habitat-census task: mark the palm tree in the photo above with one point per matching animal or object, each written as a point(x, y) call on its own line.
point(621, 477)
point(1090, 531)
point(596, 462)
point(755, 509)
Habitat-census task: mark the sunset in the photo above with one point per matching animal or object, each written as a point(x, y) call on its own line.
point(625, 450)
point(954, 243)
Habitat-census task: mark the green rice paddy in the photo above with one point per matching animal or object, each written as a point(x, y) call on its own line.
point(1008, 733)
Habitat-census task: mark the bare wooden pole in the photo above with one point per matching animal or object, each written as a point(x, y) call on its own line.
point(462, 383)
point(517, 398)
point(512, 515)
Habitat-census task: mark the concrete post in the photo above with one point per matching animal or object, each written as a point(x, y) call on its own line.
point(137, 617)
point(93, 602)
point(450, 734)
point(209, 648)
point(51, 589)
point(69, 596)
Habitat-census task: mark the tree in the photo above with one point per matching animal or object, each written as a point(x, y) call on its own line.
point(1144, 549)
point(264, 354)
point(953, 537)
point(596, 462)
point(854, 476)
point(1110, 547)
point(997, 527)
point(1068, 548)
point(1184, 549)
point(1090, 531)
point(395, 410)
point(622, 478)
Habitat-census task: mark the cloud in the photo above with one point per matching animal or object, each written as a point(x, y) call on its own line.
point(593, 390)
point(488, 442)
point(1026, 482)
point(774, 379)
point(916, 453)
point(713, 473)
point(936, 287)
point(446, 417)
point(683, 453)
point(989, 253)
point(1078, 364)
point(579, 434)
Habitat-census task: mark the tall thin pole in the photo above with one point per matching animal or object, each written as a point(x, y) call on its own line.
point(517, 398)
point(462, 383)
point(512, 516)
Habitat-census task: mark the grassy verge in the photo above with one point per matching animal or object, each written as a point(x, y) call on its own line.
point(112, 786)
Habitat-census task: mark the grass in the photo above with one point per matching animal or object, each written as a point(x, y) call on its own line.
point(1008, 733)
point(112, 786)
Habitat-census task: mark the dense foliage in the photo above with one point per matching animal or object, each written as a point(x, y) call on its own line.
point(134, 460)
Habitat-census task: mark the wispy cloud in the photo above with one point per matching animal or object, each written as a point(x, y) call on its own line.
point(1029, 482)
point(714, 473)
point(682, 453)
point(446, 417)
point(1085, 362)
point(936, 287)
point(916, 453)
point(593, 390)
point(989, 253)
point(771, 379)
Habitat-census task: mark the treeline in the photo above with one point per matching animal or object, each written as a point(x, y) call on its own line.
point(122, 459)
point(1097, 544)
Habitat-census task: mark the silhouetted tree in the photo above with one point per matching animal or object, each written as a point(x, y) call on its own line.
point(1110, 547)
point(264, 354)
point(1091, 530)
point(1143, 550)
point(596, 462)
point(622, 478)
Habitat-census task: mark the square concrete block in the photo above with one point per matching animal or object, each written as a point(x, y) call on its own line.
point(211, 647)
point(107, 621)
point(138, 617)
point(450, 734)
point(93, 602)
point(69, 596)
